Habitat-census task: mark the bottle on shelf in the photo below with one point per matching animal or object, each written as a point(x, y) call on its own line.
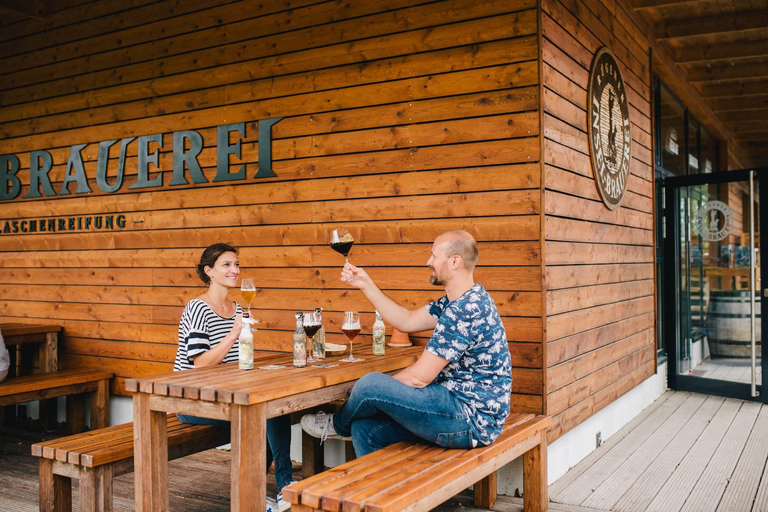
point(245, 341)
point(299, 342)
point(378, 336)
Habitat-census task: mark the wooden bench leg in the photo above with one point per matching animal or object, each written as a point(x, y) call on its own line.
point(55, 490)
point(99, 403)
point(485, 491)
point(535, 492)
point(312, 455)
point(96, 489)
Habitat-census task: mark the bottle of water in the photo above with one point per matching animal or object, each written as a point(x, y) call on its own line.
point(245, 341)
point(378, 336)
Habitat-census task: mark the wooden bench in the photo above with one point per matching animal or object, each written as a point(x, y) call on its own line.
point(74, 384)
point(95, 457)
point(415, 476)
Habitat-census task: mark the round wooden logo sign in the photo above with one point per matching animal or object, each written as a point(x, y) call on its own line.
point(609, 128)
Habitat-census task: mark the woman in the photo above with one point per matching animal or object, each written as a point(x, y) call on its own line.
point(208, 333)
point(5, 359)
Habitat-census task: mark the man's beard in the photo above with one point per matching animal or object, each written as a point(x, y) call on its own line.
point(436, 280)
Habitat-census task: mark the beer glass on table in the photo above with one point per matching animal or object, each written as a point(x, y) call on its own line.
point(351, 328)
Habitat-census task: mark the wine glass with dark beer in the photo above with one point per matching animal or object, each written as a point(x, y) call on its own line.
point(351, 328)
point(341, 242)
point(311, 326)
point(248, 289)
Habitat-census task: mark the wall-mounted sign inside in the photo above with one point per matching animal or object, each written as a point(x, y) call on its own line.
point(609, 128)
point(184, 161)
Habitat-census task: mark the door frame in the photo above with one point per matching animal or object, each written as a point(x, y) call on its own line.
point(672, 186)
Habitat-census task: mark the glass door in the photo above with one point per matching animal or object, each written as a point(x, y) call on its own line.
point(712, 275)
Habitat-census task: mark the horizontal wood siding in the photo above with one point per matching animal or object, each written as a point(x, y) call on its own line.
point(401, 119)
point(599, 270)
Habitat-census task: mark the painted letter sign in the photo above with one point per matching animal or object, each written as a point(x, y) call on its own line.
point(610, 134)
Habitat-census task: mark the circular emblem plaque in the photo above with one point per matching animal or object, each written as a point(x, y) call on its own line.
point(609, 128)
point(714, 221)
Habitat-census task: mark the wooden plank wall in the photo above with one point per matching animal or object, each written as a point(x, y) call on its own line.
point(402, 119)
point(599, 263)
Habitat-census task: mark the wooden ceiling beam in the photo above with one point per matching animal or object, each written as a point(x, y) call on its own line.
point(37, 9)
point(729, 51)
point(733, 118)
point(740, 103)
point(721, 72)
point(752, 136)
point(731, 89)
point(641, 5)
point(711, 25)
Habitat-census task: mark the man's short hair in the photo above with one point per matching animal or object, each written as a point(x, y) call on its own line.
point(461, 243)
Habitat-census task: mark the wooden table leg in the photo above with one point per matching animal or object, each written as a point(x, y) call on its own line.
point(49, 358)
point(75, 413)
point(249, 457)
point(48, 361)
point(100, 406)
point(150, 438)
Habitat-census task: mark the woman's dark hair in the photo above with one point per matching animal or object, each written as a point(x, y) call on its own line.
point(209, 257)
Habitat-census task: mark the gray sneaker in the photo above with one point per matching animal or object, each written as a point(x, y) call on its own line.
point(320, 425)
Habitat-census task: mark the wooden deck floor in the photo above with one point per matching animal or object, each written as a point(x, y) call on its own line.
point(686, 452)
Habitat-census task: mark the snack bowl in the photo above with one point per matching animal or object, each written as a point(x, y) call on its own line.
point(332, 349)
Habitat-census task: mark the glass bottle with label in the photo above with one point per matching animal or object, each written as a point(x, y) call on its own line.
point(245, 341)
point(299, 342)
point(318, 342)
point(378, 336)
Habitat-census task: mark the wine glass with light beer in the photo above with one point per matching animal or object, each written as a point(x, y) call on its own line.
point(248, 289)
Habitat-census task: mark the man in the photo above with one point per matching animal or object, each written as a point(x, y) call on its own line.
point(457, 394)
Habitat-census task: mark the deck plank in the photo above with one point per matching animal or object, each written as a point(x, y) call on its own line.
point(580, 489)
point(743, 486)
point(614, 487)
point(648, 484)
point(573, 474)
point(672, 496)
point(709, 490)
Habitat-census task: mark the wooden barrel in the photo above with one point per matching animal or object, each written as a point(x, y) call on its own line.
point(728, 323)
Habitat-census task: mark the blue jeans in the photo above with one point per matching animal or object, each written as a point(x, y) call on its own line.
point(278, 443)
point(381, 411)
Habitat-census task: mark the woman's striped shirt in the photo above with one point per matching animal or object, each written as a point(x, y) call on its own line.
point(201, 329)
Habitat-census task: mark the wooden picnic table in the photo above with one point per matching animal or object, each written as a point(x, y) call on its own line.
point(246, 398)
point(45, 336)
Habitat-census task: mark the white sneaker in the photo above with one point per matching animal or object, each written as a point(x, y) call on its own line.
point(271, 505)
point(320, 425)
point(283, 505)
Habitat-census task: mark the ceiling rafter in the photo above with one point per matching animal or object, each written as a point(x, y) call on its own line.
point(711, 25)
point(729, 51)
point(734, 88)
point(724, 71)
point(37, 9)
